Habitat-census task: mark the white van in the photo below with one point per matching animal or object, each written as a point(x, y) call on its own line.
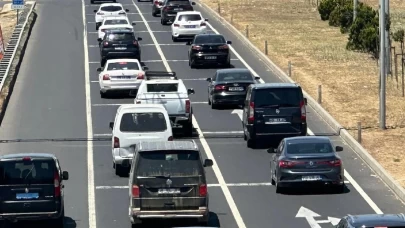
point(134, 123)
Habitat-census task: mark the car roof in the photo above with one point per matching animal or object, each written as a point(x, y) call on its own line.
point(189, 12)
point(307, 139)
point(230, 70)
point(139, 107)
point(376, 220)
point(110, 4)
point(22, 155)
point(275, 85)
point(167, 145)
point(209, 34)
point(122, 60)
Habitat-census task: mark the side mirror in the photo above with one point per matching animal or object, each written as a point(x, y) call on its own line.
point(206, 19)
point(339, 148)
point(188, 43)
point(126, 10)
point(305, 101)
point(257, 78)
point(193, 3)
point(208, 163)
point(139, 38)
point(209, 80)
point(133, 23)
point(271, 150)
point(111, 125)
point(228, 42)
point(95, 11)
point(65, 175)
point(190, 91)
point(99, 69)
point(145, 68)
point(99, 40)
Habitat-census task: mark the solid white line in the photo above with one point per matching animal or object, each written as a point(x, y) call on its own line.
point(347, 175)
point(215, 167)
point(89, 121)
point(93, 46)
point(101, 135)
point(94, 62)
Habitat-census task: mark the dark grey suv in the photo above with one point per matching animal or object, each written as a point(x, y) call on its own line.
point(167, 181)
point(372, 221)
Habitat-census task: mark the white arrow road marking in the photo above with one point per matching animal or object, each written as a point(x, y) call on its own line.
point(309, 216)
point(238, 112)
point(334, 220)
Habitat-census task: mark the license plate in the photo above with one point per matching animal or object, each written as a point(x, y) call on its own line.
point(189, 26)
point(169, 191)
point(123, 77)
point(311, 178)
point(210, 57)
point(276, 120)
point(178, 9)
point(27, 196)
point(120, 48)
point(235, 88)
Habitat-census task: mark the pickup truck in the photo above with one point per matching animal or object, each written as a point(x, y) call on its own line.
point(165, 88)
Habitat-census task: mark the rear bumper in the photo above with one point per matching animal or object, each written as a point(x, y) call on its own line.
point(288, 178)
point(107, 54)
point(30, 216)
point(188, 32)
point(104, 87)
point(179, 120)
point(124, 161)
point(219, 58)
point(275, 135)
point(228, 99)
point(200, 214)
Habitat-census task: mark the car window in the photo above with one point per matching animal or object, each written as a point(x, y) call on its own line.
point(278, 96)
point(21, 172)
point(143, 122)
point(209, 40)
point(111, 8)
point(153, 88)
point(309, 148)
point(122, 66)
point(115, 22)
point(235, 76)
point(120, 37)
point(190, 17)
point(169, 162)
point(178, 2)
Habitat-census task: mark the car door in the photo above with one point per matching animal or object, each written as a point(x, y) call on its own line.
point(275, 158)
point(211, 84)
point(246, 107)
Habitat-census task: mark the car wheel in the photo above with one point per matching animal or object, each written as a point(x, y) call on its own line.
point(213, 105)
point(273, 182)
point(251, 143)
point(244, 136)
point(339, 188)
point(188, 129)
point(119, 170)
point(102, 62)
point(279, 189)
point(59, 222)
point(174, 39)
point(92, 2)
point(228, 64)
point(103, 94)
point(154, 14)
point(191, 63)
point(209, 100)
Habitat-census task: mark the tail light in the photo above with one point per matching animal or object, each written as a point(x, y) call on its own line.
point(167, 9)
point(336, 162)
point(26, 159)
point(176, 25)
point(106, 77)
point(219, 87)
point(140, 76)
point(105, 44)
point(100, 13)
point(170, 138)
point(286, 164)
point(188, 106)
point(203, 24)
point(122, 13)
point(196, 47)
point(116, 142)
point(135, 43)
point(303, 111)
point(251, 117)
point(56, 184)
point(135, 191)
point(156, 3)
point(223, 47)
point(203, 190)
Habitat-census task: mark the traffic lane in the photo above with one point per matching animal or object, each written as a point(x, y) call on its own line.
point(220, 213)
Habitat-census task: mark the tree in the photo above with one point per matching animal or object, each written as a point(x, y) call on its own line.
point(326, 7)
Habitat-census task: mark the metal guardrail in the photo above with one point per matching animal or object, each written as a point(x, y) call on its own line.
point(14, 42)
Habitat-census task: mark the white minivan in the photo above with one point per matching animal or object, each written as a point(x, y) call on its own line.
point(134, 123)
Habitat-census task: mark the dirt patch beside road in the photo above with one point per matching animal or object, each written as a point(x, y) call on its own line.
point(349, 80)
point(8, 19)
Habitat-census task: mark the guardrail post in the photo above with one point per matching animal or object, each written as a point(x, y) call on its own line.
point(265, 48)
point(359, 132)
point(320, 94)
point(247, 31)
point(289, 68)
point(219, 7)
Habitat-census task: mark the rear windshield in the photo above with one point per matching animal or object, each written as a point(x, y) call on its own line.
point(169, 162)
point(281, 96)
point(115, 22)
point(123, 66)
point(111, 8)
point(31, 172)
point(143, 122)
point(120, 37)
point(309, 148)
point(178, 2)
point(153, 88)
point(190, 17)
point(235, 76)
point(209, 40)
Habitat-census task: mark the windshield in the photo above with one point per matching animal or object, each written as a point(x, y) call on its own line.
point(190, 17)
point(120, 37)
point(27, 172)
point(116, 22)
point(111, 8)
point(143, 122)
point(309, 148)
point(153, 88)
point(235, 76)
point(122, 66)
point(169, 162)
point(289, 97)
point(211, 39)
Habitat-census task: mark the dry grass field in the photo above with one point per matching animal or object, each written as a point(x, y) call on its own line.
point(7, 21)
point(349, 80)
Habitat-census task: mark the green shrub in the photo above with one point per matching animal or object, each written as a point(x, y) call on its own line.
point(346, 18)
point(335, 15)
point(326, 7)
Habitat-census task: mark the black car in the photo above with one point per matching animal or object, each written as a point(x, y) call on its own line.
point(119, 44)
point(306, 161)
point(228, 86)
point(209, 48)
point(273, 111)
point(372, 220)
point(31, 188)
point(168, 181)
point(170, 9)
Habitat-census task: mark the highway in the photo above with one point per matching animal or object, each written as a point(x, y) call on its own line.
point(57, 97)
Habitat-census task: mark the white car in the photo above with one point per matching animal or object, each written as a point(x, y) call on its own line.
point(120, 75)
point(188, 24)
point(114, 22)
point(109, 9)
point(134, 123)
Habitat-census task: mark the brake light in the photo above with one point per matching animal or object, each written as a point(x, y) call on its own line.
point(26, 159)
point(203, 190)
point(303, 111)
point(188, 106)
point(219, 87)
point(286, 164)
point(170, 138)
point(56, 184)
point(196, 47)
point(203, 24)
point(176, 25)
point(100, 13)
point(140, 76)
point(223, 47)
point(156, 2)
point(251, 117)
point(106, 77)
point(105, 44)
point(116, 142)
point(135, 191)
point(336, 162)
point(135, 43)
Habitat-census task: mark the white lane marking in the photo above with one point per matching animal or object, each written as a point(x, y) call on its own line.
point(101, 105)
point(90, 165)
point(102, 135)
point(93, 46)
point(217, 171)
point(93, 22)
point(347, 175)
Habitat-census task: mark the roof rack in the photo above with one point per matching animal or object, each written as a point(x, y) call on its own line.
point(150, 75)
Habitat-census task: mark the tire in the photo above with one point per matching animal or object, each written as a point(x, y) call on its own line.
point(251, 143)
point(191, 63)
point(103, 94)
point(209, 101)
point(91, 2)
point(174, 39)
point(102, 62)
point(339, 189)
point(188, 129)
point(59, 222)
point(213, 105)
point(244, 136)
point(154, 14)
point(119, 170)
point(279, 189)
point(228, 64)
point(163, 21)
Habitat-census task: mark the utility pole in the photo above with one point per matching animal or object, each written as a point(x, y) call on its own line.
point(382, 64)
point(387, 42)
point(355, 3)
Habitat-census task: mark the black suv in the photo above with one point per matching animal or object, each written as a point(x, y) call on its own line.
point(31, 188)
point(273, 111)
point(119, 44)
point(167, 180)
point(209, 48)
point(170, 9)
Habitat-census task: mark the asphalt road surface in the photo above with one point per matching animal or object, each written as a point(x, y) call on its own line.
point(57, 97)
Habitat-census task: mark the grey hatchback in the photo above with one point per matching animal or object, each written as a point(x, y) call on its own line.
point(372, 221)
